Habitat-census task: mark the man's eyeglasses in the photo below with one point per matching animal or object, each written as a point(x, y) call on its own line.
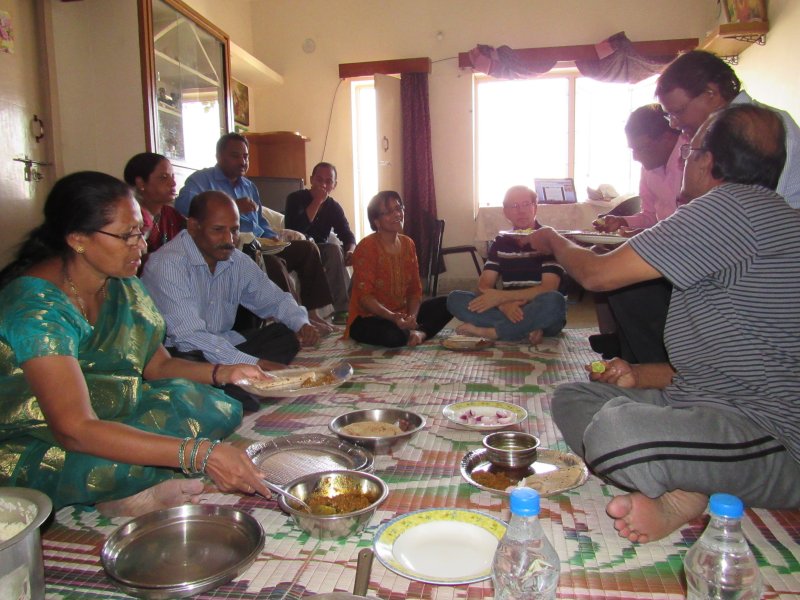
point(518, 205)
point(687, 149)
point(132, 238)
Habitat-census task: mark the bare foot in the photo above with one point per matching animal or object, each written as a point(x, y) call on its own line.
point(322, 325)
point(469, 329)
point(415, 338)
point(166, 494)
point(643, 519)
point(535, 337)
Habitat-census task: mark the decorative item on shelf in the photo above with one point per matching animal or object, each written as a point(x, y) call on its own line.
point(241, 102)
point(745, 11)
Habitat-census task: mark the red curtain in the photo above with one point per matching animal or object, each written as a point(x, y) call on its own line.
point(419, 194)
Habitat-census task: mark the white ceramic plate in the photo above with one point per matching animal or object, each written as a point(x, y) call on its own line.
point(269, 246)
point(466, 342)
point(553, 472)
point(291, 381)
point(466, 414)
point(440, 546)
point(595, 237)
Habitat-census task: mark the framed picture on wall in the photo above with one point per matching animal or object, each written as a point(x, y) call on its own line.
point(241, 102)
point(745, 11)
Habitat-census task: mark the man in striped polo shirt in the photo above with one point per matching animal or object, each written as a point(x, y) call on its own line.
point(724, 416)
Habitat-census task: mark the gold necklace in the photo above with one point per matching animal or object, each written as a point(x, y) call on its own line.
point(74, 290)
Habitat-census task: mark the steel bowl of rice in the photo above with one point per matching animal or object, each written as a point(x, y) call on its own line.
point(380, 430)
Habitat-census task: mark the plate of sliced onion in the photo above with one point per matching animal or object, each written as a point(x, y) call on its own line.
point(485, 415)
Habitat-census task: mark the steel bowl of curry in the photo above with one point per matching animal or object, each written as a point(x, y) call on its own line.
point(342, 502)
point(380, 430)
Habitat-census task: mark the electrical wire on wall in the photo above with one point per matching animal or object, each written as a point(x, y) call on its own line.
point(330, 118)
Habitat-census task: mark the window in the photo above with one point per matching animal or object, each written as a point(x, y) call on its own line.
point(555, 126)
point(365, 151)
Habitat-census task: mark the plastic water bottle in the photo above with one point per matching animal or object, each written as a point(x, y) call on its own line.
point(720, 564)
point(525, 565)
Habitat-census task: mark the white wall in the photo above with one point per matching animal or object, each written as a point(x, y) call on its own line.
point(767, 72)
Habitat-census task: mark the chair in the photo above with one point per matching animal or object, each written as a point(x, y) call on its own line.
point(437, 254)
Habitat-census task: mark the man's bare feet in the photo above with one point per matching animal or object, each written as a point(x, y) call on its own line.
point(166, 494)
point(469, 329)
point(415, 338)
point(643, 519)
point(535, 337)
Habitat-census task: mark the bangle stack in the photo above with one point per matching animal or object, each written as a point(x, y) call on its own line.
point(189, 468)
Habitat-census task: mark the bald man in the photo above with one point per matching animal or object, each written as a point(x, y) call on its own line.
point(724, 416)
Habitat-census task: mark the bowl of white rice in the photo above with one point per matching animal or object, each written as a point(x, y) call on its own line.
point(22, 511)
point(381, 430)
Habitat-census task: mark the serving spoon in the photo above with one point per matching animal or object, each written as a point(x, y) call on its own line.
point(289, 496)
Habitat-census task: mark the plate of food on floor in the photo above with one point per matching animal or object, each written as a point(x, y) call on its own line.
point(553, 472)
point(467, 342)
point(289, 383)
point(485, 415)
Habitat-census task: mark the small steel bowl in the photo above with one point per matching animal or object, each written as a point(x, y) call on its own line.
point(409, 422)
point(511, 449)
point(332, 483)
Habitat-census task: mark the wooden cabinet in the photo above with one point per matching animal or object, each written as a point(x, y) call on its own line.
point(278, 154)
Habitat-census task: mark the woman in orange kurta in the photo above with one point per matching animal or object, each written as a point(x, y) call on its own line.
point(385, 302)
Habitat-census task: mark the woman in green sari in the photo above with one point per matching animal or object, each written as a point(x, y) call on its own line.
point(93, 410)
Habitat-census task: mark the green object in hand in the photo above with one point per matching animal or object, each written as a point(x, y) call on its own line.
point(598, 366)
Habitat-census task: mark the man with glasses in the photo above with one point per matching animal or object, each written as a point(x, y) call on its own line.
point(698, 83)
point(639, 312)
point(723, 415)
point(529, 305)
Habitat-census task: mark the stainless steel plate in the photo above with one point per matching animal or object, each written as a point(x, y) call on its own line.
point(552, 473)
point(181, 551)
point(284, 459)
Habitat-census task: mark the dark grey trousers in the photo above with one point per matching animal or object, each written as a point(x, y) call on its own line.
point(633, 439)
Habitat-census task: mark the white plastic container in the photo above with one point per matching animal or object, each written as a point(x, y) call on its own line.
point(22, 511)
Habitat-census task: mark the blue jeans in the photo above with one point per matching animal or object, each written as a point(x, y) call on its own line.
point(547, 311)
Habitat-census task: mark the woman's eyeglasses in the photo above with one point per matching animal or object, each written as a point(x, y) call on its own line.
point(131, 239)
point(396, 209)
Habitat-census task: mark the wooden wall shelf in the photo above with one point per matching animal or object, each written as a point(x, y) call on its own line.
point(731, 39)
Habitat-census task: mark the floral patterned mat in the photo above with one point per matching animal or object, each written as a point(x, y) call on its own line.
point(425, 473)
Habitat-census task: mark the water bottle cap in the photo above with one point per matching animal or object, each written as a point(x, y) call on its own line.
point(525, 502)
point(726, 505)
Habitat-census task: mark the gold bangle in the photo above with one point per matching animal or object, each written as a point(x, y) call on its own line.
point(193, 456)
point(207, 456)
point(182, 456)
point(214, 381)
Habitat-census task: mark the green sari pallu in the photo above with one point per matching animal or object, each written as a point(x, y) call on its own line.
point(37, 319)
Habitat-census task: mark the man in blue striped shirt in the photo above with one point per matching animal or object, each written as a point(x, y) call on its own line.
point(199, 279)
point(724, 414)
